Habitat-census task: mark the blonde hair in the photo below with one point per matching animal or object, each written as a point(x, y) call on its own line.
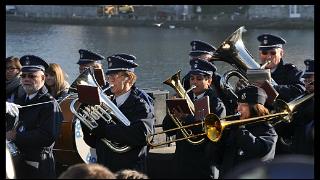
point(131, 75)
point(56, 71)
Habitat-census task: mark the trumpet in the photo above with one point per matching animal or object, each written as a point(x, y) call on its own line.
point(186, 137)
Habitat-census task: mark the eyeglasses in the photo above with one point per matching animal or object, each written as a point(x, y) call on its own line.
point(268, 52)
point(31, 76)
point(113, 76)
point(11, 68)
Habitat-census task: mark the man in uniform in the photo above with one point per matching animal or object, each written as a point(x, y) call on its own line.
point(288, 79)
point(88, 59)
point(301, 128)
point(205, 51)
point(190, 160)
point(39, 124)
point(287, 76)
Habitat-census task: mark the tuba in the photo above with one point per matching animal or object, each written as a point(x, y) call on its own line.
point(88, 114)
point(175, 82)
point(233, 51)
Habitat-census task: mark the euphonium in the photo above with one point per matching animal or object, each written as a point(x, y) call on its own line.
point(233, 51)
point(175, 82)
point(107, 110)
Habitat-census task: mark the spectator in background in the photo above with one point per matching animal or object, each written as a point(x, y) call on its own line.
point(89, 59)
point(130, 174)
point(87, 171)
point(55, 81)
point(13, 81)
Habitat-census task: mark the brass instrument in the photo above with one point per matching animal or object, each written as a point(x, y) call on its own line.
point(107, 110)
point(291, 107)
point(175, 82)
point(213, 126)
point(202, 123)
point(233, 51)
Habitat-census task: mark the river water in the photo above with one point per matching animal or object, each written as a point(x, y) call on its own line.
point(160, 52)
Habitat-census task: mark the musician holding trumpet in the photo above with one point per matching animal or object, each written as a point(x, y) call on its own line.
point(248, 141)
point(189, 159)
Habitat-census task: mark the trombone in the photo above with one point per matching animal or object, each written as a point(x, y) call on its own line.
point(213, 126)
point(186, 137)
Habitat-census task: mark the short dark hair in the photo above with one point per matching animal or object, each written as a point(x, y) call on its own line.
point(130, 174)
point(87, 171)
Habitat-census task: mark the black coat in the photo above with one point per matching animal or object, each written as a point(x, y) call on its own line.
point(141, 115)
point(289, 80)
point(254, 141)
point(298, 132)
point(38, 129)
point(190, 160)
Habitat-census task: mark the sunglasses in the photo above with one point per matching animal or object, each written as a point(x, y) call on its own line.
point(268, 52)
point(31, 76)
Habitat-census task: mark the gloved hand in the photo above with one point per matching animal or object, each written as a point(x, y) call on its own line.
point(12, 109)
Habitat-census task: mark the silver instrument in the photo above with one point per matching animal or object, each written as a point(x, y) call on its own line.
point(107, 110)
point(233, 51)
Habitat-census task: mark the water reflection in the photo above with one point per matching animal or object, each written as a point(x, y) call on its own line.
point(160, 52)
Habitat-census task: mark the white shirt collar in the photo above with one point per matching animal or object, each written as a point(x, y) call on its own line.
point(199, 96)
point(122, 98)
point(32, 95)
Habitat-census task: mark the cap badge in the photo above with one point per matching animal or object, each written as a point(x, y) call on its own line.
point(193, 46)
point(81, 56)
point(265, 41)
point(243, 96)
point(27, 61)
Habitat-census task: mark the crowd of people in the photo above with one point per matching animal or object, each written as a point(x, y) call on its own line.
point(35, 88)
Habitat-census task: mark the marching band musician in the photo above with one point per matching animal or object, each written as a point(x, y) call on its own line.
point(88, 59)
point(144, 95)
point(190, 160)
point(39, 125)
point(120, 75)
point(299, 133)
point(251, 141)
point(287, 76)
point(205, 51)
